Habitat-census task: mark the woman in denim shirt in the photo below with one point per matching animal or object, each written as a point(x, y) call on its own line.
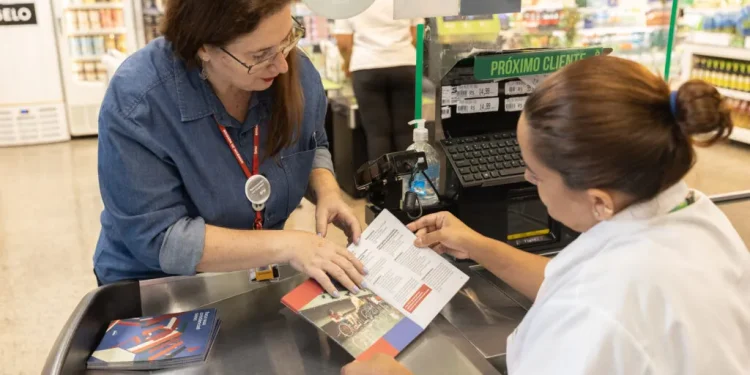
point(174, 192)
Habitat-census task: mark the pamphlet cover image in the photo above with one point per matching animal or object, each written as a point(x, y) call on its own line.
point(363, 324)
point(156, 342)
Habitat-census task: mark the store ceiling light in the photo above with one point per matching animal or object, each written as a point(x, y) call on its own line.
point(338, 9)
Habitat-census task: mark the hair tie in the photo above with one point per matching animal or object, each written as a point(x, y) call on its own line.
point(673, 103)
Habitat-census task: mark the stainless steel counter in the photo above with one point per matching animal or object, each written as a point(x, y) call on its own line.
point(259, 336)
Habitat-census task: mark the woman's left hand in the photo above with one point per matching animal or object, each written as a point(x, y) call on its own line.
point(331, 209)
point(380, 364)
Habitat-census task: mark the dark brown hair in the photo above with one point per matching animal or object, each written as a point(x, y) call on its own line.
point(191, 24)
point(607, 123)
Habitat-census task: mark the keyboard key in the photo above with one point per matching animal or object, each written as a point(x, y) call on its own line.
point(507, 157)
point(506, 135)
point(516, 157)
point(501, 151)
point(515, 164)
point(458, 157)
point(463, 163)
point(491, 167)
point(474, 161)
point(509, 150)
point(507, 165)
point(497, 136)
point(515, 142)
point(478, 177)
point(452, 149)
point(448, 142)
point(465, 170)
point(461, 149)
point(468, 178)
point(477, 154)
point(499, 165)
point(514, 171)
point(483, 168)
point(485, 153)
point(483, 161)
point(494, 145)
point(491, 159)
point(493, 152)
point(517, 148)
point(474, 169)
point(509, 143)
point(494, 174)
point(486, 175)
point(523, 163)
point(486, 146)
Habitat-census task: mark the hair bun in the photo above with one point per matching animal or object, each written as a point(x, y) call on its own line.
point(701, 111)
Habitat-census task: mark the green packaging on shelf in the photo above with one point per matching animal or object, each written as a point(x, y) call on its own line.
point(528, 63)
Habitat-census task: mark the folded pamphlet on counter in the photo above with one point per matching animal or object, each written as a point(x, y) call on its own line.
point(408, 288)
point(157, 342)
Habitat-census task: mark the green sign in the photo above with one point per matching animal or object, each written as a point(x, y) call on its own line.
point(529, 63)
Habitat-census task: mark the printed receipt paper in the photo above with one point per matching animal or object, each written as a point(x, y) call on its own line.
point(418, 282)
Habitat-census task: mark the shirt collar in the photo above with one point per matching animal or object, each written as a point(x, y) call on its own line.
point(197, 100)
point(624, 224)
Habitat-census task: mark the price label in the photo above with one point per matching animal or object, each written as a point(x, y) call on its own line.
point(445, 112)
point(478, 106)
point(450, 95)
point(515, 104)
point(481, 90)
point(517, 88)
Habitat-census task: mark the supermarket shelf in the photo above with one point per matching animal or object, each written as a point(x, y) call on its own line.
point(740, 135)
point(87, 58)
point(725, 52)
point(94, 6)
point(620, 30)
point(153, 12)
point(734, 94)
point(97, 32)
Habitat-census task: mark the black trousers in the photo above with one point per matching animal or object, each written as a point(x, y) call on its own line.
point(386, 104)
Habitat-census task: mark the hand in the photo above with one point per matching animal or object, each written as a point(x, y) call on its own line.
point(318, 258)
point(331, 208)
point(444, 233)
point(380, 364)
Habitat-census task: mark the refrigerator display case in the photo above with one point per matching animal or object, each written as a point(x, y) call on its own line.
point(32, 106)
point(148, 16)
point(87, 31)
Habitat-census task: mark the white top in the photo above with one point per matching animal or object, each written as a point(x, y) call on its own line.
point(647, 292)
point(379, 40)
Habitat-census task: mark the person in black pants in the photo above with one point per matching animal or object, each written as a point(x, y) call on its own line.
point(379, 52)
point(386, 103)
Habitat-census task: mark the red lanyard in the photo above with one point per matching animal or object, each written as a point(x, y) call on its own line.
point(241, 161)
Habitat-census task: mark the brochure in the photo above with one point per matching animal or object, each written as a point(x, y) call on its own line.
point(408, 288)
point(158, 342)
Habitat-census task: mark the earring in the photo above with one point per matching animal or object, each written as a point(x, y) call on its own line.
point(597, 215)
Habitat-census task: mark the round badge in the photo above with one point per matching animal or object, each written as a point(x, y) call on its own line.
point(258, 190)
point(338, 9)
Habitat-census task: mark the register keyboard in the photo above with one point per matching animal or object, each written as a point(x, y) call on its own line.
point(486, 160)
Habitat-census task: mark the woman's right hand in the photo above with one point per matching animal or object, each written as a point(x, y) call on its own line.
point(444, 233)
point(319, 258)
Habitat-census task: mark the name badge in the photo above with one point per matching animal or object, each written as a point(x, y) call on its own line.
point(258, 191)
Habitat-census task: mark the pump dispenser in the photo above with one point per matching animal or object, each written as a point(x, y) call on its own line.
point(418, 183)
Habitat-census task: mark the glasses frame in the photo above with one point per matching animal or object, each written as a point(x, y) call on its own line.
point(298, 33)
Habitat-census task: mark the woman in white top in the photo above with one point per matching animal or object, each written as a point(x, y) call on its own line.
point(379, 52)
point(659, 281)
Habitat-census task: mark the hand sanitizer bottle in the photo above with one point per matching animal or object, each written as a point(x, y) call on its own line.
point(425, 191)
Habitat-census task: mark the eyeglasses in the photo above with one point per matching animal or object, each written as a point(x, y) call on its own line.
point(297, 33)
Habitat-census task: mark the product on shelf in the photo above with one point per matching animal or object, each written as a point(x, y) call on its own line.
point(724, 73)
point(740, 113)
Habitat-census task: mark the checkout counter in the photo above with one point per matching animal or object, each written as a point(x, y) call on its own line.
point(260, 336)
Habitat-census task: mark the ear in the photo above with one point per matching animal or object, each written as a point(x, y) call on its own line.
point(203, 54)
point(602, 204)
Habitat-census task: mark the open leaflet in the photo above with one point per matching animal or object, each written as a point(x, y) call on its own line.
point(408, 288)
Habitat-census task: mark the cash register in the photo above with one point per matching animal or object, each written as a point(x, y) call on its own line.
point(482, 98)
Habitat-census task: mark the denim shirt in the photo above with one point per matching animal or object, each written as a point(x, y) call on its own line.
point(165, 171)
